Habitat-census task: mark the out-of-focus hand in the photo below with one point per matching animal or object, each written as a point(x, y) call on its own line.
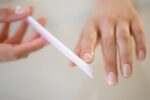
point(17, 46)
point(9, 14)
point(112, 24)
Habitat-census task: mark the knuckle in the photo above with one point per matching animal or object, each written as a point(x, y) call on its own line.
point(86, 49)
point(92, 37)
point(17, 55)
point(126, 59)
point(123, 35)
point(88, 28)
point(108, 40)
point(137, 28)
point(139, 32)
point(105, 20)
point(8, 11)
point(107, 36)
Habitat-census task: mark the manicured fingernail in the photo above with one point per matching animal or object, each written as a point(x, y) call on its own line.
point(126, 70)
point(111, 78)
point(87, 57)
point(21, 11)
point(141, 55)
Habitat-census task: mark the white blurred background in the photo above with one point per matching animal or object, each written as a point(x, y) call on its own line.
point(45, 74)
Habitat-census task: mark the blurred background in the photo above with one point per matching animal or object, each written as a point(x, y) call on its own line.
point(45, 74)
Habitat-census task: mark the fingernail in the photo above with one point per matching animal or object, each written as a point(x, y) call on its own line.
point(87, 57)
point(21, 11)
point(126, 70)
point(111, 78)
point(141, 55)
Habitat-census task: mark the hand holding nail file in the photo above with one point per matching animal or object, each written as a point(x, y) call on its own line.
point(57, 44)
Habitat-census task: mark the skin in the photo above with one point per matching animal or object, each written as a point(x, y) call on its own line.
point(112, 25)
point(17, 46)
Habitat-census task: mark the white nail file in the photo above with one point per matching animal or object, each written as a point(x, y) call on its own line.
point(61, 47)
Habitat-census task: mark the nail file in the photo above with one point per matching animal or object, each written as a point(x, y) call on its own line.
point(61, 47)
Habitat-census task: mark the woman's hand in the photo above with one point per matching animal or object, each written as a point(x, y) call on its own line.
point(17, 46)
point(112, 24)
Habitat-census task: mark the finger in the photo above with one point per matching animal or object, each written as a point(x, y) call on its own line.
point(124, 47)
point(88, 42)
point(28, 48)
point(139, 37)
point(35, 34)
point(19, 34)
point(108, 43)
point(4, 32)
point(10, 14)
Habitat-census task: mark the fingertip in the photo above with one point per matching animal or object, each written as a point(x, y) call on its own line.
point(22, 11)
point(42, 20)
point(39, 42)
point(139, 37)
point(111, 79)
point(43, 40)
point(126, 70)
point(141, 55)
point(88, 57)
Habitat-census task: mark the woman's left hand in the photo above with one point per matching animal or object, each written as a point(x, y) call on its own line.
point(16, 46)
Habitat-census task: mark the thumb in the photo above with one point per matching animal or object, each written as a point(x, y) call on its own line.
point(10, 14)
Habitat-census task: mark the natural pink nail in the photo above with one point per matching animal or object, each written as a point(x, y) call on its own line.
point(141, 55)
point(111, 78)
point(126, 70)
point(87, 57)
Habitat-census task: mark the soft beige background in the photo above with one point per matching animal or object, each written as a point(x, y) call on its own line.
point(45, 74)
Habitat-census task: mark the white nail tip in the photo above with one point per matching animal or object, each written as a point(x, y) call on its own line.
point(126, 70)
point(19, 10)
point(111, 78)
point(87, 57)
